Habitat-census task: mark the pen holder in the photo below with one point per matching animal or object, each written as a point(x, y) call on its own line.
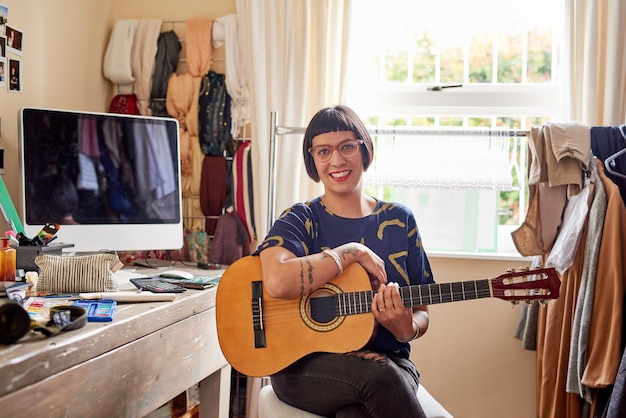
point(26, 254)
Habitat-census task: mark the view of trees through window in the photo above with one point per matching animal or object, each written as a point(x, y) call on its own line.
point(483, 56)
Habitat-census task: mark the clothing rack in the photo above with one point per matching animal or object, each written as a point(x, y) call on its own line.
point(277, 130)
point(173, 23)
point(188, 198)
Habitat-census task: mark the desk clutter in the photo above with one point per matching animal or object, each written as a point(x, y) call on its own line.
point(67, 291)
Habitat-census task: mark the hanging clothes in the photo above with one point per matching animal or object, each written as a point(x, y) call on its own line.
point(214, 115)
point(116, 65)
point(243, 200)
point(229, 242)
point(191, 183)
point(165, 63)
point(142, 60)
point(236, 80)
point(124, 104)
point(198, 45)
point(178, 102)
point(559, 158)
point(213, 190)
point(579, 342)
point(607, 141)
point(554, 335)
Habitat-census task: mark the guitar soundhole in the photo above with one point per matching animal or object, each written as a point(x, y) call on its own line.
point(322, 309)
point(319, 309)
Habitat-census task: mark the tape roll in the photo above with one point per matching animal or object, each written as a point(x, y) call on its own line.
point(14, 321)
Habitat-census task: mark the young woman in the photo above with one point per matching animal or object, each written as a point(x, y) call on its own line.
point(312, 242)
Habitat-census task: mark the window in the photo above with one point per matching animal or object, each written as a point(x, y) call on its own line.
point(456, 66)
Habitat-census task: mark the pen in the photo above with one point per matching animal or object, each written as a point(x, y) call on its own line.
point(61, 295)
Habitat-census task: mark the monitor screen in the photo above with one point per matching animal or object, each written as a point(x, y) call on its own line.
point(111, 181)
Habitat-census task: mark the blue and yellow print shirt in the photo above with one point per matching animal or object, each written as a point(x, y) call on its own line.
point(390, 231)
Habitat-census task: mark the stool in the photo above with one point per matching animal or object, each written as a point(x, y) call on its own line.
point(272, 407)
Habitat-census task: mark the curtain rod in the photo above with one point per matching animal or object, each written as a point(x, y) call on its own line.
point(406, 130)
point(445, 130)
point(276, 130)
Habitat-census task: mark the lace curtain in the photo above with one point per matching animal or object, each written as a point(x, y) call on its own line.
point(443, 158)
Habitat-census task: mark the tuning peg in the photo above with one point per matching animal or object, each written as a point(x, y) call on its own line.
point(510, 270)
point(543, 301)
point(514, 302)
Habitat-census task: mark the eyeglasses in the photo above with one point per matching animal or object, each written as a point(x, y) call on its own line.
point(323, 153)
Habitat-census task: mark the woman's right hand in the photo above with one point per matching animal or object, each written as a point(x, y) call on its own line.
point(354, 252)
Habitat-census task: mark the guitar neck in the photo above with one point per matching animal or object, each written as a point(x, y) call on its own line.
point(418, 295)
point(430, 294)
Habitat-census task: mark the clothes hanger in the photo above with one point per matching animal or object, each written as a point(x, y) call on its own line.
point(609, 162)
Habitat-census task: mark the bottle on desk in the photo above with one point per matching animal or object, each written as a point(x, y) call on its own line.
point(7, 262)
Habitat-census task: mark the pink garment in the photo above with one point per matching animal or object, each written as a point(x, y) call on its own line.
point(225, 249)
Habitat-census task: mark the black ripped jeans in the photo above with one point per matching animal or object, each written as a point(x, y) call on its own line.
point(361, 384)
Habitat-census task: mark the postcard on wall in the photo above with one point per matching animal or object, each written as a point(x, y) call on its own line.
point(3, 66)
point(14, 76)
point(14, 40)
point(4, 17)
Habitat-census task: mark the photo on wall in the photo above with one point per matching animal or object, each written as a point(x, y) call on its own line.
point(3, 66)
point(14, 40)
point(4, 18)
point(15, 76)
point(3, 47)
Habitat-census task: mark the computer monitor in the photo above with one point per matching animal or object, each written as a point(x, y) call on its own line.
point(111, 181)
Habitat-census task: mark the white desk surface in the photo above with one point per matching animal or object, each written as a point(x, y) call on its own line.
point(147, 355)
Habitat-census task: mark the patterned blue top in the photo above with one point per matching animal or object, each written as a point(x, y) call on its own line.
point(390, 231)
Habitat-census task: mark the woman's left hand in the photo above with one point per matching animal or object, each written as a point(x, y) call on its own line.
point(390, 312)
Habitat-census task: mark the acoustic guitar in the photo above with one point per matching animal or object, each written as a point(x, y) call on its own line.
point(261, 335)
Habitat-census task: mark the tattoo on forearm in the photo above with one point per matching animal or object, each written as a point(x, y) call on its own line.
point(310, 271)
point(301, 279)
point(348, 251)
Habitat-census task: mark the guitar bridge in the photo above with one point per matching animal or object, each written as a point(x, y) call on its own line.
point(258, 322)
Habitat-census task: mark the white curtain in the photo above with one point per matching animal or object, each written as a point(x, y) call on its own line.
point(294, 57)
point(293, 52)
point(595, 62)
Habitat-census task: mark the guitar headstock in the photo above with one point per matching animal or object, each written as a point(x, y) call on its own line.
point(528, 284)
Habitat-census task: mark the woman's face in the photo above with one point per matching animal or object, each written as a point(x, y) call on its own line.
point(339, 174)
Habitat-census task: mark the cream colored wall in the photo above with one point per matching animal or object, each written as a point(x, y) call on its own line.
point(469, 359)
point(63, 42)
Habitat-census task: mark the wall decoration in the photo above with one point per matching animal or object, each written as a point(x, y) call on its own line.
point(15, 76)
point(14, 40)
point(3, 47)
point(3, 72)
point(4, 18)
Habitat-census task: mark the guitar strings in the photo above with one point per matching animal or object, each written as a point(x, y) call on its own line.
point(281, 311)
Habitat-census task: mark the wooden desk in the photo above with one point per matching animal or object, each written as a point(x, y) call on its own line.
point(147, 355)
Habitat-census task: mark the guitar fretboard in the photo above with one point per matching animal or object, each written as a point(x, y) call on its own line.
point(353, 303)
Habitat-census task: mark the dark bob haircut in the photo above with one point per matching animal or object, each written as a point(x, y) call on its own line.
point(335, 119)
